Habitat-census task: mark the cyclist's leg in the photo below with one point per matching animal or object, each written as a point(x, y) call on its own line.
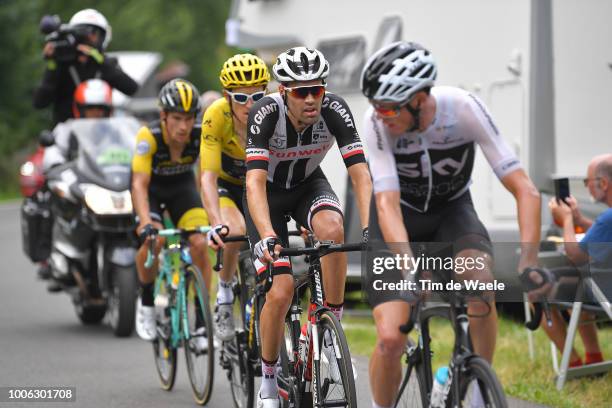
point(146, 276)
point(230, 200)
point(319, 210)
point(278, 298)
point(186, 211)
point(461, 226)
point(385, 369)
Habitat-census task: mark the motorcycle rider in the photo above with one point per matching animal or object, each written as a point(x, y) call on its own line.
point(92, 100)
point(60, 79)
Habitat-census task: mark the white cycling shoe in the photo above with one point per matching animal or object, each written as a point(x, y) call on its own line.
point(146, 327)
point(200, 340)
point(224, 322)
point(267, 402)
point(329, 359)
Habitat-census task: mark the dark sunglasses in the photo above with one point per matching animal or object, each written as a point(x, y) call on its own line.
point(243, 98)
point(302, 92)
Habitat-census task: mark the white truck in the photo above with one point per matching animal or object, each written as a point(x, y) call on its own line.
point(542, 67)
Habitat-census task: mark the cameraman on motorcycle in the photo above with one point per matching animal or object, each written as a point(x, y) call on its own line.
point(66, 70)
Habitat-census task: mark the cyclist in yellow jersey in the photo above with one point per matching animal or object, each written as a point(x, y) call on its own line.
point(244, 78)
point(163, 178)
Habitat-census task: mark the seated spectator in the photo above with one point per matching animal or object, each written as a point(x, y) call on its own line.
point(599, 183)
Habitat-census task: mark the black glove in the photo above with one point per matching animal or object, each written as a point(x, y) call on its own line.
point(148, 231)
point(365, 235)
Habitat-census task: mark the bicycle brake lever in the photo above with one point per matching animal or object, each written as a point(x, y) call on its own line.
point(219, 262)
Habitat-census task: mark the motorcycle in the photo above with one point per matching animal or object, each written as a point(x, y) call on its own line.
point(94, 246)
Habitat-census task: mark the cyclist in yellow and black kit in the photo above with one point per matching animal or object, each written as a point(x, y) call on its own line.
point(163, 178)
point(244, 78)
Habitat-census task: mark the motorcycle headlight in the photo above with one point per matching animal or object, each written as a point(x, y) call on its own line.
point(106, 202)
point(27, 169)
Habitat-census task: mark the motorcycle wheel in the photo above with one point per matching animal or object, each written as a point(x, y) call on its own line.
point(90, 314)
point(122, 300)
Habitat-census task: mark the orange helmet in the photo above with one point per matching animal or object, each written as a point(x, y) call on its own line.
point(93, 93)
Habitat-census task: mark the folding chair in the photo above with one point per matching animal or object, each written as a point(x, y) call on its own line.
point(600, 306)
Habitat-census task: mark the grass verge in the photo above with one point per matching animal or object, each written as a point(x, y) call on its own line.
point(521, 377)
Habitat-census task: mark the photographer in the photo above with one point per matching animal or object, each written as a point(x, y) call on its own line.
point(75, 53)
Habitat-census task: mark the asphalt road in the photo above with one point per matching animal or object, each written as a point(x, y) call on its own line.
point(42, 343)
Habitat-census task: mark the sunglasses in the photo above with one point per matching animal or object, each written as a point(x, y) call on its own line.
point(302, 92)
point(388, 112)
point(243, 98)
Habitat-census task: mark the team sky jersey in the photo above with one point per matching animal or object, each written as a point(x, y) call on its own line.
point(153, 155)
point(290, 156)
point(435, 166)
point(221, 150)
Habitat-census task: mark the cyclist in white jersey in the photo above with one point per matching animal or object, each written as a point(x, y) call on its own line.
point(289, 134)
point(421, 143)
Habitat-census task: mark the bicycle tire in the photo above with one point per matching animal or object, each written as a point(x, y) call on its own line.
point(286, 376)
point(413, 392)
point(328, 323)
point(195, 290)
point(240, 372)
point(165, 354)
point(478, 369)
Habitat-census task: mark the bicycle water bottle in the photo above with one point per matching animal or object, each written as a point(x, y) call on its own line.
point(440, 388)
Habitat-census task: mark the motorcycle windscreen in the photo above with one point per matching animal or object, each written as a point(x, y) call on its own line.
point(105, 148)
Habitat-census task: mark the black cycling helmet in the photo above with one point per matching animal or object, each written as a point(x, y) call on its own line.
point(398, 71)
point(179, 95)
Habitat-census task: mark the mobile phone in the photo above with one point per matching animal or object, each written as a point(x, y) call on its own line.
point(562, 190)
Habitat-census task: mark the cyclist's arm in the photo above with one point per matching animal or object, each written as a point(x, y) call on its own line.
point(141, 174)
point(386, 184)
point(508, 169)
point(342, 125)
point(528, 205)
point(260, 127)
point(210, 162)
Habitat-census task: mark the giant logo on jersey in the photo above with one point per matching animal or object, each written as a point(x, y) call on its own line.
point(264, 111)
point(343, 112)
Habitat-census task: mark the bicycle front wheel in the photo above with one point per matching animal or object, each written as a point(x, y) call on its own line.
point(479, 386)
point(333, 380)
point(199, 351)
point(413, 389)
point(165, 353)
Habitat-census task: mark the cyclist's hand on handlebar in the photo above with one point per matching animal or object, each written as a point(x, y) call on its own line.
point(537, 282)
point(146, 233)
point(267, 249)
point(215, 236)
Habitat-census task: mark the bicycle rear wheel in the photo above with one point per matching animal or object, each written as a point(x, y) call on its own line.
point(333, 381)
point(239, 371)
point(199, 351)
point(413, 391)
point(479, 386)
point(165, 354)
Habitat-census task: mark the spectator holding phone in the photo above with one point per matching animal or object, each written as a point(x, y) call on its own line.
point(599, 183)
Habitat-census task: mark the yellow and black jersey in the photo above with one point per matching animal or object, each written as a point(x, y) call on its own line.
point(221, 150)
point(152, 154)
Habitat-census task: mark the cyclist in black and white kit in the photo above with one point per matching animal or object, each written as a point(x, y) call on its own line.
point(289, 134)
point(421, 144)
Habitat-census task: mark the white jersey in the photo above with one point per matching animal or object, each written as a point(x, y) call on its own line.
point(432, 167)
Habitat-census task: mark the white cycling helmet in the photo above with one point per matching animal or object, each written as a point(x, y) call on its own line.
point(398, 71)
point(300, 64)
point(91, 17)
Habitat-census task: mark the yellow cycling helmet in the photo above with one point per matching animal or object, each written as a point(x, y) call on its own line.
point(244, 70)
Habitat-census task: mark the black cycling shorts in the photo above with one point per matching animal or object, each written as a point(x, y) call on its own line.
point(440, 232)
point(181, 200)
point(231, 191)
point(301, 203)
